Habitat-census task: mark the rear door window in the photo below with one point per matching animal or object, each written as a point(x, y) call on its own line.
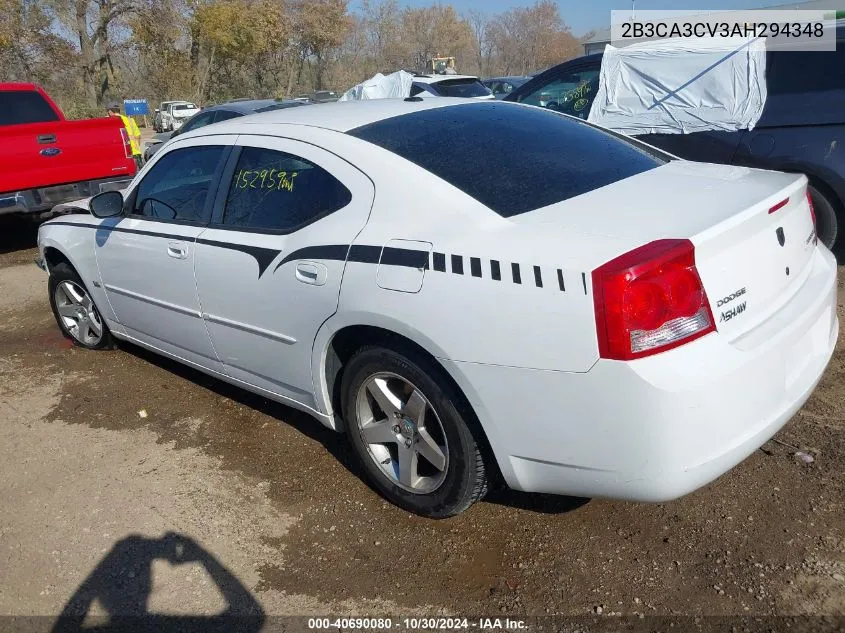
point(24, 106)
point(273, 191)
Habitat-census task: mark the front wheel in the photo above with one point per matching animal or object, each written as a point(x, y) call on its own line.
point(410, 433)
point(74, 309)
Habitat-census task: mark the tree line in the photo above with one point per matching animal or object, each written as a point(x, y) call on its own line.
point(87, 53)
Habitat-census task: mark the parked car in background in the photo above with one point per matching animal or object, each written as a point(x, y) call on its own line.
point(449, 86)
point(221, 112)
point(320, 96)
point(802, 127)
point(46, 160)
point(568, 308)
point(324, 96)
point(503, 86)
point(163, 107)
point(177, 114)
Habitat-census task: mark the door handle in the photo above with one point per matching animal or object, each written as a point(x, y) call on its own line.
point(177, 250)
point(312, 273)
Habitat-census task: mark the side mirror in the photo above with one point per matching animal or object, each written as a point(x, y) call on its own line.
point(107, 204)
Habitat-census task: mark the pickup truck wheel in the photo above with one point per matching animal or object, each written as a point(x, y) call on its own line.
point(827, 224)
point(413, 442)
point(75, 312)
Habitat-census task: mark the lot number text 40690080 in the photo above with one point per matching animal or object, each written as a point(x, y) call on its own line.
point(424, 624)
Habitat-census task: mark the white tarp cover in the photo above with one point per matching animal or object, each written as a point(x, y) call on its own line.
point(679, 87)
point(393, 86)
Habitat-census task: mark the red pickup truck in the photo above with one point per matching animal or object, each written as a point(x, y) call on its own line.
point(46, 160)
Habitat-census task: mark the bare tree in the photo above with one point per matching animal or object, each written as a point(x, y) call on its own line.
point(85, 51)
point(323, 26)
point(91, 23)
point(479, 29)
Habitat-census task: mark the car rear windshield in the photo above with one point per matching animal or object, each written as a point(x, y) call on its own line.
point(512, 158)
point(460, 88)
point(24, 106)
point(184, 106)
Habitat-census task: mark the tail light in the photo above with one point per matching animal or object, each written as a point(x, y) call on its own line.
point(127, 144)
point(650, 300)
point(812, 210)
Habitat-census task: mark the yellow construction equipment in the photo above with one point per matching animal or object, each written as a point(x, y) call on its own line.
point(442, 65)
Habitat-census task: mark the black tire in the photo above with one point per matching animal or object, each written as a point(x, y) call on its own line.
point(65, 273)
point(466, 476)
point(827, 224)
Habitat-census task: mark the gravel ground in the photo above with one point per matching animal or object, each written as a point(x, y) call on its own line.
point(103, 454)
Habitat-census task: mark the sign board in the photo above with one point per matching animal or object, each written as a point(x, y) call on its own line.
point(135, 107)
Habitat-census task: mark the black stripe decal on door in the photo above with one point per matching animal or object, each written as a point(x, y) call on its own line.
point(358, 253)
point(263, 256)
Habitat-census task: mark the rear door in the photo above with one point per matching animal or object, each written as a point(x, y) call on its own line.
point(269, 267)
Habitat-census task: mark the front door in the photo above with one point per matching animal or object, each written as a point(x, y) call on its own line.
point(146, 257)
point(269, 267)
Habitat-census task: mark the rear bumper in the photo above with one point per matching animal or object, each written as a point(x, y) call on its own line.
point(659, 427)
point(42, 200)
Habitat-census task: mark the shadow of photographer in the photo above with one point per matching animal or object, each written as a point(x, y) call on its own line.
point(121, 585)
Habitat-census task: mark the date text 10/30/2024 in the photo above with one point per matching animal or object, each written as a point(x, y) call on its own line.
point(425, 624)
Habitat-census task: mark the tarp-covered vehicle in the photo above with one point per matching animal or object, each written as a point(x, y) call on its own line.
point(789, 117)
point(402, 84)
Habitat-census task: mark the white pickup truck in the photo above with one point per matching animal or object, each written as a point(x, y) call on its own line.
point(172, 114)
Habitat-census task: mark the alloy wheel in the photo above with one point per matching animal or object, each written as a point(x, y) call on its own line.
point(78, 313)
point(402, 432)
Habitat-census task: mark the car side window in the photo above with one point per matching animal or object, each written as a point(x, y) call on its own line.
point(415, 90)
point(279, 192)
point(805, 71)
point(177, 187)
point(224, 115)
point(198, 121)
point(571, 92)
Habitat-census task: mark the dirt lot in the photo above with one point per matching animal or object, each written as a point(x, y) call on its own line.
point(103, 454)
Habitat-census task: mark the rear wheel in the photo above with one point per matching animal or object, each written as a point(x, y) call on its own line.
point(827, 224)
point(409, 433)
point(74, 309)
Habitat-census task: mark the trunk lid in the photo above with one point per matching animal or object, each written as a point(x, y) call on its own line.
point(750, 261)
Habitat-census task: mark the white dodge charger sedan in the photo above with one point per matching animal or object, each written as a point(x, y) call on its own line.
point(472, 290)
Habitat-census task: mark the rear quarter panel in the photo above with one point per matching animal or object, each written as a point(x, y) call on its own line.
point(492, 291)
